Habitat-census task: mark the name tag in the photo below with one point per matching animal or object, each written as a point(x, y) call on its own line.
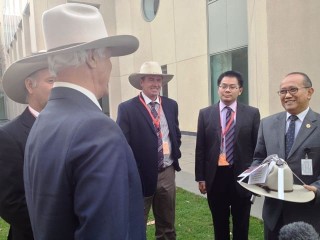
point(306, 167)
point(166, 150)
point(223, 160)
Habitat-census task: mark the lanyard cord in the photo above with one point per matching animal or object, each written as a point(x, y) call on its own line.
point(156, 121)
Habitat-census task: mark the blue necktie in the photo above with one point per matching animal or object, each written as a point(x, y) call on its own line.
point(158, 132)
point(290, 134)
point(229, 137)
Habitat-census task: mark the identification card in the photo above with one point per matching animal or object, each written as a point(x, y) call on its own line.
point(306, 167)
point(166, 150)
point(223, 160)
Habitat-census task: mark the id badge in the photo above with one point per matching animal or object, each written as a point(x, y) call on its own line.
point(166, 150)
point(306, 167)
point(223, 160)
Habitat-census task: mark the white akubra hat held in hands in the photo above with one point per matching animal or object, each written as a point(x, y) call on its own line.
point(73, 27)
point(148, 69)
point(279, 182)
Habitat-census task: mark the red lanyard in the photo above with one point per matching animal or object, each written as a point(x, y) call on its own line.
point(228, 124)
point(156, 121)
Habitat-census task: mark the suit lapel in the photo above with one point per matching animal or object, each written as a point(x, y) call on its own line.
point(27, 119)
point(144, 112)
point(215, 121)
point(308, 125)
point(279, 128)
point(241, 116)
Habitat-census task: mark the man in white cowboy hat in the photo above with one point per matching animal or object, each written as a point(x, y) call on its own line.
point(27, 84)
point(294, 136)
point(150, 124)
point(81, 179)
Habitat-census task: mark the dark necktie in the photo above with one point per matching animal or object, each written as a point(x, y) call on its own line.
point(229, 136)
point(158, 132)
point(290, 134)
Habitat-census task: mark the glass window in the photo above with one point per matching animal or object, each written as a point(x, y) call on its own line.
point(236, 60)
point(164, 87)
point(150, 9)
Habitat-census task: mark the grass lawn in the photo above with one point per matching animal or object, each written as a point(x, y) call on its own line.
point(193, 220)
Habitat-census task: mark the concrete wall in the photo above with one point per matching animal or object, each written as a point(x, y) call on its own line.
point(283, 38)
point(177, 37)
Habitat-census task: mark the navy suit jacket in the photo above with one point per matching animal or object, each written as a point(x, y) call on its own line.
point(13, 206)
point(136, 124)
point(209, 140)
point(271, 140)
point(80, 176)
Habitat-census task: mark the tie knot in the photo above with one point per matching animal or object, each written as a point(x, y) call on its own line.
point(229, 109)
point(293, 118)
point(152, 104)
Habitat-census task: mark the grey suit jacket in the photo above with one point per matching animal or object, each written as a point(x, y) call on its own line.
point(271, 140)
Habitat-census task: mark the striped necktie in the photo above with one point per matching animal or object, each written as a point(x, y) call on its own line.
point(290, 134)
point(158, 132)
point(229, 137)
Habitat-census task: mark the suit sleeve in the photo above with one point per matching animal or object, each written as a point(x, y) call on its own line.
point(13, 207)
point(123, 121)
point(107, 185)
point(178, 132)
point(260, 152)
point(256, 124)
point(200, 149)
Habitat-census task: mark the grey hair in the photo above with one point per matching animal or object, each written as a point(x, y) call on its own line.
point(298, 231)
point(74, 59)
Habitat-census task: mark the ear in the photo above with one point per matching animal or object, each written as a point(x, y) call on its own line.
point(92, 59)
point(240, 91)
point(28, 84)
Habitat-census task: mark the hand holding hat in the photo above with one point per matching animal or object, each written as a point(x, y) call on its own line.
point(274, 179)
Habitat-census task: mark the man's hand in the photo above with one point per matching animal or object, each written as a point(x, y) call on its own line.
point(310, 188)
point(202, 187)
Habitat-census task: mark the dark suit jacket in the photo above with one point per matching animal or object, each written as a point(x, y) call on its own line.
point(209, 140)
point(271, 140)
point(13, 207)
point(80, 176)
point(136, 124)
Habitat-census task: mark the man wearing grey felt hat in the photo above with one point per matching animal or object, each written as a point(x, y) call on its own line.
point(26, 83)
point(81, 179)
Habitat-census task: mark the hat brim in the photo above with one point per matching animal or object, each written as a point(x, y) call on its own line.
point(13, 80)
point(135, 78)
point(119, 45)
point(299, 193)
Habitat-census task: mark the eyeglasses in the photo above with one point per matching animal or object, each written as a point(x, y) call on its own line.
point(231, 87)
point(292, 91)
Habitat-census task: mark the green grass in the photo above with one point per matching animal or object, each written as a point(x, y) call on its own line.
point(193, 220)
point(4, 229)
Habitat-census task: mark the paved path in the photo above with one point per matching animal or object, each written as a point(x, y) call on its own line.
point(186, 180)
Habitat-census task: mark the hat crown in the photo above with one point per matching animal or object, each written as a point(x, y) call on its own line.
point(150, 68)
point(82, 23)
point(272, 179)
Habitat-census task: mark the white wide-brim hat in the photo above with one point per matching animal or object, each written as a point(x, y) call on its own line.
point(73, 27)
point(13, 80)
point(292, 192)
point(148, 69)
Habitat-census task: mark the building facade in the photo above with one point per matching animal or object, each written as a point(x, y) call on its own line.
point(195, 40)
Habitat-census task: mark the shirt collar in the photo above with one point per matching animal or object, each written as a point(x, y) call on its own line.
point(148, 100)
point(300, 116)
point(33, 112)
point(233, 106)
point(83, 90)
